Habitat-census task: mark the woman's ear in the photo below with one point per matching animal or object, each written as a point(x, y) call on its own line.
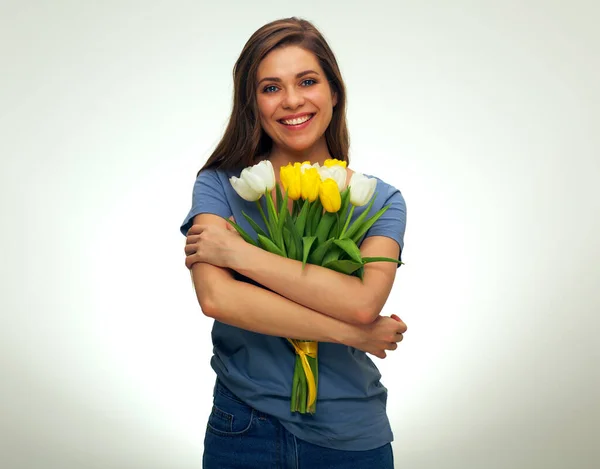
point(334, 98)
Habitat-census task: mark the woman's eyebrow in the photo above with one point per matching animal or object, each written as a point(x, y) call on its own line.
point(298, 75)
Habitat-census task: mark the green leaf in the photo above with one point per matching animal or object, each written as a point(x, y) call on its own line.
point(270, 246)
point(358, 222)
point(317, 215)
point(245, 236)
point(254, 225)
point(264, 217)
point(368, 224)
point(360, 273)
point(324, 226)
point(317, 255)
point(274, 224)
point(332, 255)
point(345, 267)
point(350, 248)
point(302, 217)
point(271, 208)
point(272, 213)
point(283, 212)
point(314, 216)
point(343, 209)
point(288, 239)
point(346, 223)
point(334, 232)
point(366, 260)
point(307, 242)
point(296, 239)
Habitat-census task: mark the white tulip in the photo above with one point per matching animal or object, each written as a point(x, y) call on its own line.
point(362, 189)
point(337, 173)
point(264, 170)
point(306, 166)
point(244, 190)
point(254, 181)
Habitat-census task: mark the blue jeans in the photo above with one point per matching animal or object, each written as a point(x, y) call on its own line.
point(240, 437)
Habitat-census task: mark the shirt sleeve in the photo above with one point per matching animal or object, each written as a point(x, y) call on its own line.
point(392, 223)
point(208, 197)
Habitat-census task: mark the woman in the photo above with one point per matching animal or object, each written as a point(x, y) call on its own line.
point(289, 106)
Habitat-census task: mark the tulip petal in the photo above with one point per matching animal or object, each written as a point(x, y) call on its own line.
point(310, 181)
point(291, 179)
point(362, 189)
point(330, 196)
point(337, 173)
point(244, 190)
point(253, 179)
point(264, 170)
point(334, 162)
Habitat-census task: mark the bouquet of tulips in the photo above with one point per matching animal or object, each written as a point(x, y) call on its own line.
point(318, 230)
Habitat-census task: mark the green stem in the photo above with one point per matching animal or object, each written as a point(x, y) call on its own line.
point(313, 362)
point(303, 390)
point(347, 222)
point(295, 385)
point(264, 217)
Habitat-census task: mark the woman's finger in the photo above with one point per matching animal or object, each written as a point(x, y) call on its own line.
point(191, 239)
point(402, 324)
point(196, 229)
point(190, 249)
point(190, 261)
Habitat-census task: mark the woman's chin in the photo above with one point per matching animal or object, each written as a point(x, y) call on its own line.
point(300, 145)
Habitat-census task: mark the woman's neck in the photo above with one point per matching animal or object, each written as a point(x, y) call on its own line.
point(281, 157)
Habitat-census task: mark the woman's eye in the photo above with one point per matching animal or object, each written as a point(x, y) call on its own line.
point(308, 82)
point(269, 89)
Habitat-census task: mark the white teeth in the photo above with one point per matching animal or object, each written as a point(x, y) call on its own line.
point(297, 121)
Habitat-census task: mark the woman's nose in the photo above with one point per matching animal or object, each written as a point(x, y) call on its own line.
point(292, 99)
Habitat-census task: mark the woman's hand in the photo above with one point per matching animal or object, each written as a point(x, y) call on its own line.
point(382, 334)
point(212, 244)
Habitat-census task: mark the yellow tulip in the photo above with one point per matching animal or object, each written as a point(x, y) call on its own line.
point(291, 180)
point(311, 180)
point(330, 196)
point(333, 162)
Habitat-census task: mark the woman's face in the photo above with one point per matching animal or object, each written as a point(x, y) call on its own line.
point(295, 101)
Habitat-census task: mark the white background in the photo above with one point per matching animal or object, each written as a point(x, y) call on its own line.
point(484, 114)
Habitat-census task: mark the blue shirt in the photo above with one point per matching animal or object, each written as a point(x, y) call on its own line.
point(351, 401)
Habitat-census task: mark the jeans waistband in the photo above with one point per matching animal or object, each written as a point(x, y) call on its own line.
point(224, 390)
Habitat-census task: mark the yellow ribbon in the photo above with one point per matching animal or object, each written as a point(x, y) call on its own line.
point(304, 349)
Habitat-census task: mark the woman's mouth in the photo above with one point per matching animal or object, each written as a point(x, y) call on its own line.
point(296, 122)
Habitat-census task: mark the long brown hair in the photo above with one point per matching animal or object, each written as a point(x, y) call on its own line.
point(244, 140)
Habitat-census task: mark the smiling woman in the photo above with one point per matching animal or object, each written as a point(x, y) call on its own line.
point(289, 107)
point(295, 103)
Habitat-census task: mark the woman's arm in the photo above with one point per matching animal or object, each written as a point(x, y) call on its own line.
point(332, 293)
point(256, 309)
